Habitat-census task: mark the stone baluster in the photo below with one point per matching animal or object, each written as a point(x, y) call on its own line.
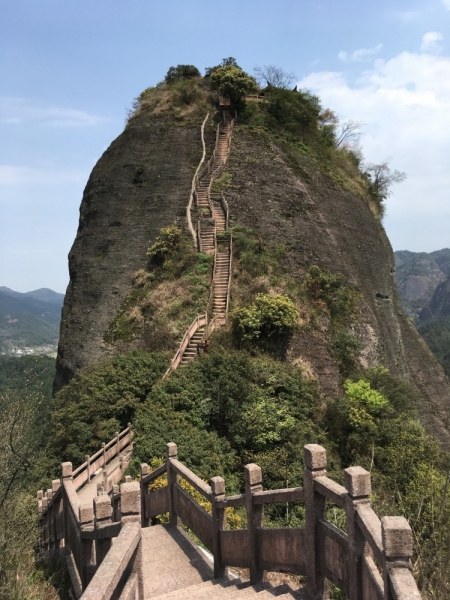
point(219, 523)
point(171, 454)
point(87, 525)
point(88, 467)
point(315, 458)
point(103, 514)
point(104, 454)
point(130, 507)
point(255, 518)
point(117, 443)
point(144, 495)
point(397, 549)
point(358, 485)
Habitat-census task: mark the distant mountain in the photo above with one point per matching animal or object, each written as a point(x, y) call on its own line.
point(29, 322)
point(438, 305)
point(418, 274)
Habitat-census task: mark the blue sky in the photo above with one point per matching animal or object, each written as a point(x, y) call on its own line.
point(69, 71)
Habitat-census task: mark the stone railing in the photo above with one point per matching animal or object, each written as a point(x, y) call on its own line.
point(81, 531)
point(369, 561)
point(199, 322)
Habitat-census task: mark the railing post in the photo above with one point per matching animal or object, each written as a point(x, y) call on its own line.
point(117, 443)
point(130, 508)
point(104, 454)
point(144, 495)
point(397, 549)
point(86, 514)
point(315, 458)
point(171, 453)
point(103, 514)
point(358, 485)
point(219, 523)
point(88, 467)
point(255, 518)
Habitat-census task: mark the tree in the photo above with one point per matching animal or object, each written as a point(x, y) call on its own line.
point(274, 76)
point(181, 73)
point(233, 82)
point(350, 131)
point(226, 62)
point(381, 178)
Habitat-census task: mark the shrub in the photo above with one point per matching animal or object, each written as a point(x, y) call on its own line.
point(330, 291)
point(181, 73)
point(233, 82)
point(267, 316)
point(166, 244)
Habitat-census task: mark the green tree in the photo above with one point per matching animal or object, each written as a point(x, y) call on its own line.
point(233, 82)
point(267, 316)
point(181, 73)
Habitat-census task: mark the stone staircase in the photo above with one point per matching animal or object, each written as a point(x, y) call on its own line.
point(191, 350)
point(176, 570)
point(221, 282)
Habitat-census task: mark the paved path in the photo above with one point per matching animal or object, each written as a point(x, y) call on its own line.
point(174, 569)
point(89, 491)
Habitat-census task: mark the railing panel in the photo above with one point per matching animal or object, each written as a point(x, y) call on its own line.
point(154, 474)
point(80, 479)
point(372, 582)
point(235, 548)
point(331, 490)
point(283, 495)
point(402, 585)
point(370, 526)
point(194, 516)
point(157, 502)
point(282, 549)
point(191, 478)
point(333, 552)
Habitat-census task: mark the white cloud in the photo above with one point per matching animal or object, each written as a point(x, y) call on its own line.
point(360, 55)
point(405, 102)
point(430, 42)
point(20, 111)
point(19, 175)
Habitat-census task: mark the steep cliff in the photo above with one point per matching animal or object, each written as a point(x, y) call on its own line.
point(142, 183)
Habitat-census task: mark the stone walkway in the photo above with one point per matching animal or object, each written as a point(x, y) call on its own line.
point(89, 491)
point(174, 569)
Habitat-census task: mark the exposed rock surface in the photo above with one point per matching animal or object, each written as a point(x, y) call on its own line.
point(417, 275)
point(439, 303)
point(142, 183)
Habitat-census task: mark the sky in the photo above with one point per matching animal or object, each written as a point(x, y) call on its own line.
point(69, 71)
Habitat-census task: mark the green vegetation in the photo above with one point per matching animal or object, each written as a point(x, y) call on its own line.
point(233, 82)
point(166, 297)
point(181, 73)
point(269, 316)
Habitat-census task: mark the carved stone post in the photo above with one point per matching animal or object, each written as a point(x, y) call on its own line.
point(66, 473)
point(219, 523)
point(86, 515)
point(103, 514)
point(398, 549)
point(88, 467)
point(315, 458)
point(130, 507)
point(255, 518)
point(103, 454)
point(358, 485)
point(117, 443)
point(171, 454)
point(144, 495)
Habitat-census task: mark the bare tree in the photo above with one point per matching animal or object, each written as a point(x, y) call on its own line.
point(382, 177)
point(350, 132)
point(274, 76)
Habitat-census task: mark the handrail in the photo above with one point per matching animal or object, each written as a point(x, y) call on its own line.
point(194, 179)
point(193, 327)
point(110, 572)
point(229, 275)
point(191, 478)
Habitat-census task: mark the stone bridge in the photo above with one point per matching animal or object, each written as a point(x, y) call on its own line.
point(105, 533)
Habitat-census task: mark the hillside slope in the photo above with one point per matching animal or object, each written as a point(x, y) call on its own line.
point(142, 184)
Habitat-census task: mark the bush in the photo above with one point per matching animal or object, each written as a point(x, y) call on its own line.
point(166, 244)
point(101, 401)
point(233, 82)
point(267, 316)
point(331, 292)
point(181, 73)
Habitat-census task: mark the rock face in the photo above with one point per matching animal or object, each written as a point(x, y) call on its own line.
point(439, 303)
point(142, 183)
point(417, 275)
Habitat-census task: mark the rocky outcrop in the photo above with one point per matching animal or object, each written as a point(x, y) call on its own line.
point(439, 303)
point(141, 184)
